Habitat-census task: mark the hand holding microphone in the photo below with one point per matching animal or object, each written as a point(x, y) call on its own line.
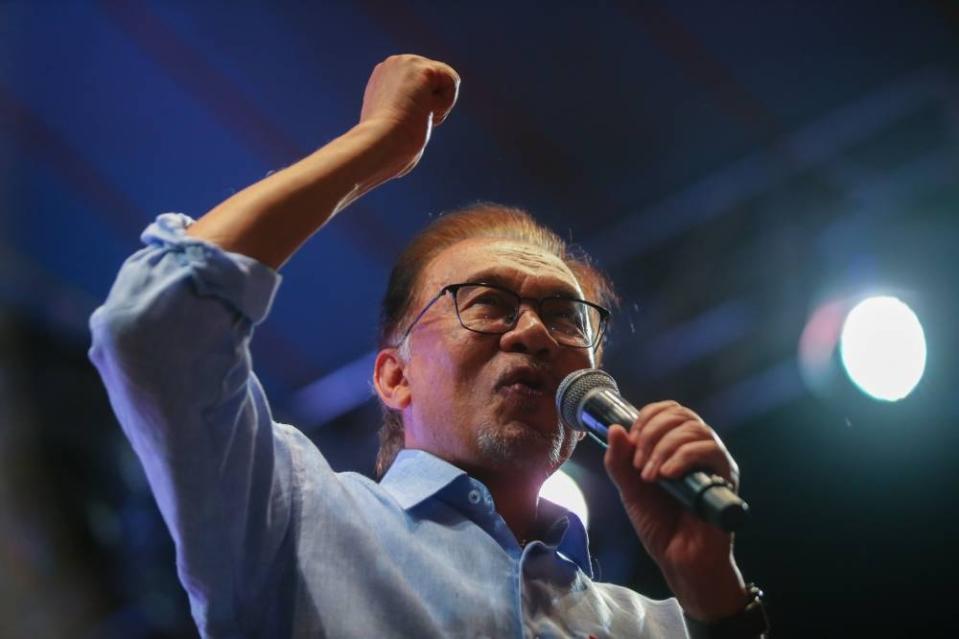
point(589, 400)
point(686, 532)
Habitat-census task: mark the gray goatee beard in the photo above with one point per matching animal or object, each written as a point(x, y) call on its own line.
point(510, 445)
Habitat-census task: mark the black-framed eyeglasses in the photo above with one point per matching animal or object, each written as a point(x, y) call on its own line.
point(494, 310)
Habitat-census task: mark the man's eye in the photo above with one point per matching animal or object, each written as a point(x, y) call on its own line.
point(568, 318)
point(483, 295)
point(489, 299)
point(567, 312)
point(487, 302)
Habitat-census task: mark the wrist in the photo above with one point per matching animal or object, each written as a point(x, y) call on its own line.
point(708, 594)
point(749, 622)
point(387, 150)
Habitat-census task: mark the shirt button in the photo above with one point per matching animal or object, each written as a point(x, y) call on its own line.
point(475, 497)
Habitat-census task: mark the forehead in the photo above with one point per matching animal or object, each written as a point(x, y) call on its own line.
point(502, 261)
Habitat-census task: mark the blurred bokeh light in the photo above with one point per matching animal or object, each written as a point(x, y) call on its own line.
point(883, 348)
point(562, 489)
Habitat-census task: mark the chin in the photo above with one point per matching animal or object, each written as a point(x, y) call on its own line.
point(518, 442)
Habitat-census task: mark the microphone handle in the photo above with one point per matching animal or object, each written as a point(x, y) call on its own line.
point(706, 494)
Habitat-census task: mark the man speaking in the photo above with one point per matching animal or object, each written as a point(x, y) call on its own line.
point(485, 313)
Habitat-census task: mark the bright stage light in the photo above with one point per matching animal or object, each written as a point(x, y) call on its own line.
point(561, 489)
point(883, 348)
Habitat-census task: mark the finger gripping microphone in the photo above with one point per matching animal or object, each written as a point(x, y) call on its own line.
point(589, 400)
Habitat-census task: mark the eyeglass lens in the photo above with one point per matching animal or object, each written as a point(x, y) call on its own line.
point(492, 310)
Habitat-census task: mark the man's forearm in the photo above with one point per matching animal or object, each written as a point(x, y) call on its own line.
point(405, 97)
point(270, 219)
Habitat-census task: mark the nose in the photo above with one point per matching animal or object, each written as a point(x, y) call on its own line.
point(530, 334)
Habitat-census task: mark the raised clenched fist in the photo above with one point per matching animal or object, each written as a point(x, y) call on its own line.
point(408, 95)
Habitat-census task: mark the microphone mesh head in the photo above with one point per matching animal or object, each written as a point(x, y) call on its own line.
point(575, 388)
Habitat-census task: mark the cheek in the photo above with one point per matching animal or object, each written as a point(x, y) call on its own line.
point(443, 361)
point(466, 354)
point(577, 360)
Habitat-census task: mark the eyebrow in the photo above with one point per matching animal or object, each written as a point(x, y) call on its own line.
point(492, 277)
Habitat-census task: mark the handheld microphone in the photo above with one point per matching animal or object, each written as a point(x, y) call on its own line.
point(589, 400)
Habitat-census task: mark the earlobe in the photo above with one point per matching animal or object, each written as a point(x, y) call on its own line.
point(389, 379)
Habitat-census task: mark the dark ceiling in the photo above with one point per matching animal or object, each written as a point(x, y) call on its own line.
point(732, 165)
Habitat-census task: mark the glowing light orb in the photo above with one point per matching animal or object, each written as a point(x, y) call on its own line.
point(883, 348)
point(561, 489)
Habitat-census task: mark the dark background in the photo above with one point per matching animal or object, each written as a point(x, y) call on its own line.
point(732, 165)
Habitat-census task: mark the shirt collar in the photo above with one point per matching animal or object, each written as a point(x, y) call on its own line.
point(567, 533)
point(417, 475)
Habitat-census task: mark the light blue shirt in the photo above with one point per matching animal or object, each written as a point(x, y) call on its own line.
point(270, 541)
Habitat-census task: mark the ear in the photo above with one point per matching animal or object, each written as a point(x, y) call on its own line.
point(389, 379)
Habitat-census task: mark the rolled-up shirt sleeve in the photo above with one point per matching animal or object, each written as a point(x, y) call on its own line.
point(171, 343)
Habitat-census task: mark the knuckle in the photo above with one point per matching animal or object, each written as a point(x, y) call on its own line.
point(668, 404)
point(699, 427)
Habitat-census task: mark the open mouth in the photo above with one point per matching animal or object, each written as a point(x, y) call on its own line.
point(522, 389)
point(524, 382)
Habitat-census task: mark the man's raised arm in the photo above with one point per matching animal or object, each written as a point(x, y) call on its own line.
point(405, 97)
point(171, 343)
